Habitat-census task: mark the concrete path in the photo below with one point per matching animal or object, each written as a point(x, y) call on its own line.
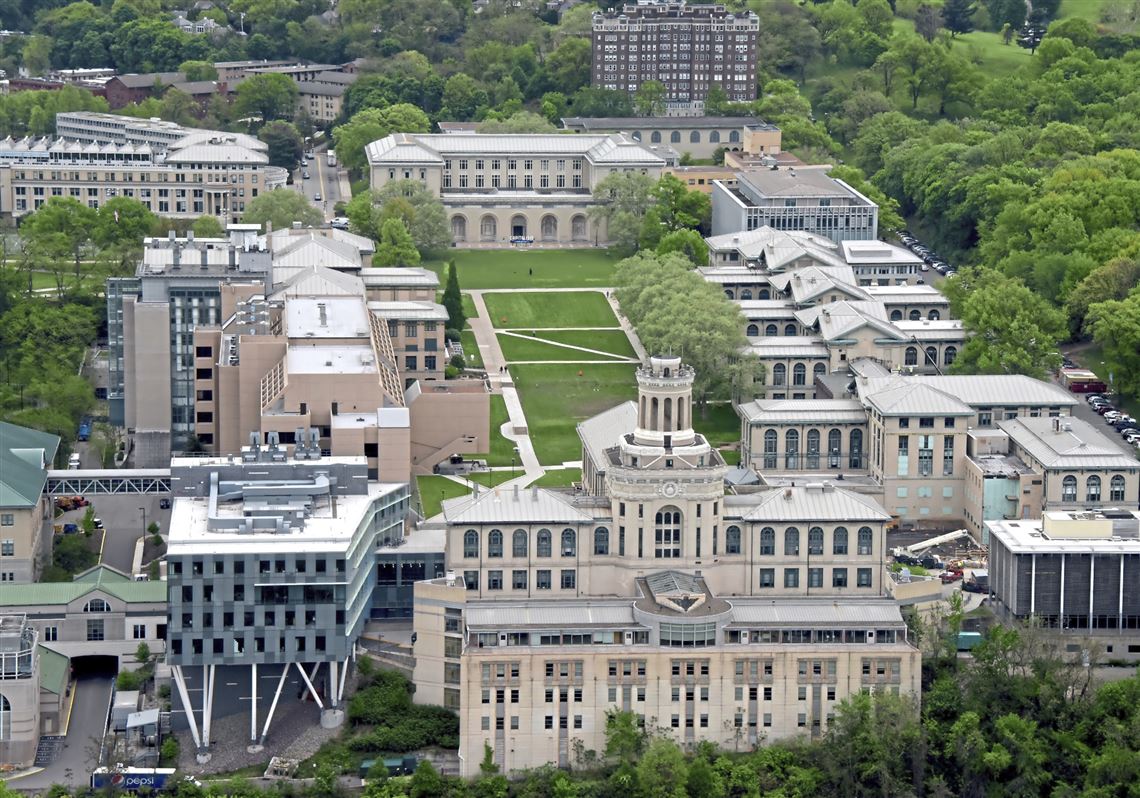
point(630, 333)
point(488, 343)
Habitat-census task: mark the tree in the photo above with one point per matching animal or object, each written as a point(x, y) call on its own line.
point(122, 221)
point(1115, 325)
point(518, 122)
point(662, 771)
point(689, 243)
point(453, 300)
point(198, 70)
point(959, 16)
point(267, 97)
point(1012, 330)
point(425, 782)
point(395, 247)
point(889, 216)
point(625, 740)
point(372, 124)
point(1112, 281)
point(59, 229)
point(409, 200)
point(928, 21)
point(282, 207)
point(649, 100)
point(462, 97)
point(675, 310)
point(208, 227)
point(284, 143)
point(142, 653)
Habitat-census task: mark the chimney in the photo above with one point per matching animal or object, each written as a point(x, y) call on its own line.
point(534, 491)
point(269, 237)
point(787, 494)
point(516, 491)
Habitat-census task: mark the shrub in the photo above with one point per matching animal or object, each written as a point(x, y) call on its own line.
point(450, 372)
point(452, 335)
point(130, 680)
point(458, 361)
point(168, 753)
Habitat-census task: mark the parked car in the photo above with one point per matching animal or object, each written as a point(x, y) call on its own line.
point(1105, 408)
point(973, 587)
point(164, 504)
point(316, 198)
point(305, 175)
point(1133, 438)
point(1123, 423)
point(950, 576)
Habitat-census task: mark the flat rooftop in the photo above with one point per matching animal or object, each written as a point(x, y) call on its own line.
point(319, 359)
point(1117, 532)
point(326, 317)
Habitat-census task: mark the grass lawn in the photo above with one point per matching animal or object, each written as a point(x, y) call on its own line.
point(551, 268)
point(555, 399)
point(540, 310)
point(471, 349)
point(1086, 9)
point(433, 490)
point(719, 424)
point(490, 479)
point(559, 478)
point(522, 349)
point(502, 449)
point(613, 341)
point(469, 311)
point(732, 458)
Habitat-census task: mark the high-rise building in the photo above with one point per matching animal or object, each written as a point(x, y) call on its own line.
point(688, 48)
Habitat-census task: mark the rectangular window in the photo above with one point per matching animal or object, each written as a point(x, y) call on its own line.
point(767, 577)
point(863, 575)
point(95, 629)
point(815, 577)
point(51, 634)
point(518, 580)
point(791, 577)
point(947, 455)
point(139, 631)
point(8, 548)
point(542, 580)
point(569, 579)
point(839, 577)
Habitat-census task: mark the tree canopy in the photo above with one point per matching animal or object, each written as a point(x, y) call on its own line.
point(282, 207)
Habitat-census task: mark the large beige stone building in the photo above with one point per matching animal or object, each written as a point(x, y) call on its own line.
point(500, 189)
point(733, 619)
point(174, 171)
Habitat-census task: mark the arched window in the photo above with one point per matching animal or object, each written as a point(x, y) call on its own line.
point(637, 135)
point(818, 370)
point(1069, 489)
point(549, 228)
point(799, 374)
point(753, 331)
point(855, 456)
point(471, 544)
point(815, 540)
point(732, 540)
point(601, 541)
point(655, 137)
point(813, 448)
point(488, 228)
point(770, 438)
point(934, 315)
point(97, 605)
point(866, 537)
point(896, 315)
point(518, 543)
point(949, 354)
point(578, 228)
point(771, 330)
point(915, 315)
point(734, 136)
point(764, 294)
point(839, 540)
point(1116, 489)
point(459, 228)
point(932, 356)
point(714, 137)
point(5, 719)
point(518, 226)
point(746, 293)
point(695, 137)
point(911, 356)
point(543, 544)
point(834, 447)
point(1092, 489)
point(792, 449)
point(789, 329)
point(495, 543)
point(728, 293)
point(779, 374)
point(667, 533)
point(675, 137)
point(791, 541)
point(569, 543)
point(767, 540)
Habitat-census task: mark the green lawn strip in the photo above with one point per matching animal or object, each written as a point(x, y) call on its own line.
point(434, 489)
point(559, 478)
point(555, 399)
point(1086, 9)
point(517, 349)
point(471, 351)
point(613, 341)
point(502, 449)
point(731, 457)
point(536, 310)
point(491, 479)
point(718, 423)
point(496, 268)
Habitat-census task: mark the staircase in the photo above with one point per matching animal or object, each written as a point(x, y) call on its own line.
point(389, 655)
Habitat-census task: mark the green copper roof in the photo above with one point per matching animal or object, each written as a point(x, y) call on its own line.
point(25, 454)
point(54, 670)
point(101, 577)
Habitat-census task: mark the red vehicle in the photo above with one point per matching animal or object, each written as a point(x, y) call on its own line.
point(1082, 381)
point(949, 577)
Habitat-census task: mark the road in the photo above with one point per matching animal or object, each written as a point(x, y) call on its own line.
point(1085, 413)
point(322, 180)
point(85, 732)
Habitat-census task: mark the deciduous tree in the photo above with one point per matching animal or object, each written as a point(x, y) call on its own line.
point(282, 207)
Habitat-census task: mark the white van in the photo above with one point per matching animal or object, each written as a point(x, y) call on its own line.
point(73, 461)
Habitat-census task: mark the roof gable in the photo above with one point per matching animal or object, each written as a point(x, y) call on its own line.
point(25, 456)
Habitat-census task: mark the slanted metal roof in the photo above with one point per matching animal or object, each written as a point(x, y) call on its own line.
point(984, 390)
point(906, 398)
point(550, 614)
point(815, 502)
point(857, 613)
point(804, 411)
point(605, 429)
point(514, 506)
point(1068, 442)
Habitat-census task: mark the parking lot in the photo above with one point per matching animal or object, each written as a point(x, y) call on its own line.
point(122, 516)
point(929, 257)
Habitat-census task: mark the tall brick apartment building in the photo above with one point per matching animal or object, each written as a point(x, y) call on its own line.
point(689, 48)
